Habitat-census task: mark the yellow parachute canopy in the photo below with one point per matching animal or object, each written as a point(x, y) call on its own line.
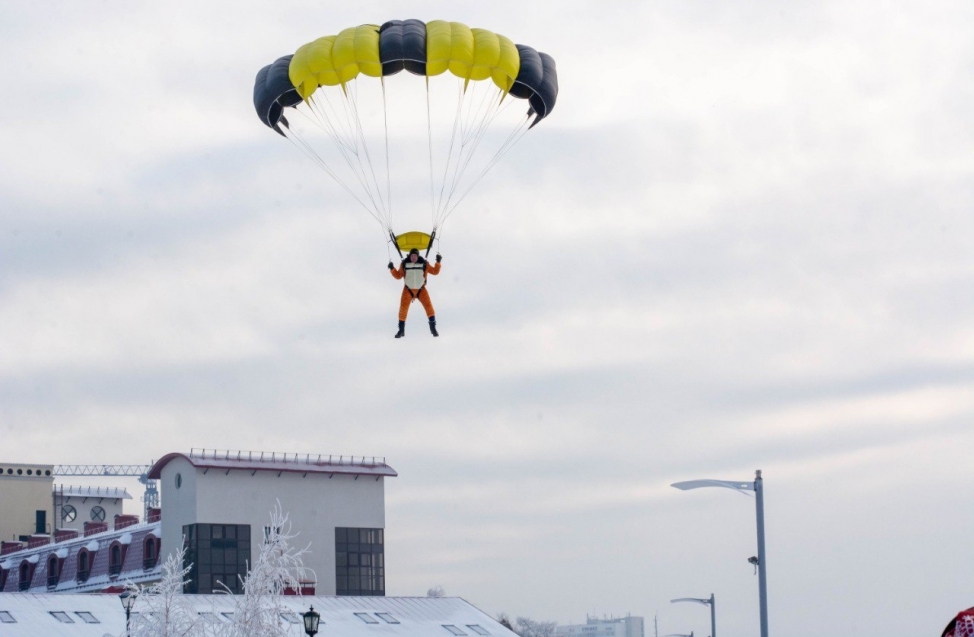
point(409, 240)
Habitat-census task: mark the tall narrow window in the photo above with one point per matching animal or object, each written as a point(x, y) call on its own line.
point(25, 575)
point(53, 571)
point(84, 564)
point(115, 560)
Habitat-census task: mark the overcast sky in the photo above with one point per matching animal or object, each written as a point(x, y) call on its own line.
point(742, 240)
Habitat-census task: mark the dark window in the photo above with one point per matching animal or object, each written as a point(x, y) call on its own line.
point(53, 571)
point(97, 514)
point(61, 616)
point(368, 619)
point(24, 582)
point(149, 552)
point(6, 617)
point(68, 513)
point(359, 562)
point(115, 560)
point(454, 630)
point(40, 521)
point(84, 564)
point(217, 555)
point(387, 618)
point(477, 628)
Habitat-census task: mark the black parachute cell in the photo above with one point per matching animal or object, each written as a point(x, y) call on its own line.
point(537, 82)
point(273, 92)
point(402, 45)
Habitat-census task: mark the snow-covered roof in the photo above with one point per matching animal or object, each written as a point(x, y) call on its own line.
point(134, 567)
point(278, 462)
point(345, 616)
point(118, 493)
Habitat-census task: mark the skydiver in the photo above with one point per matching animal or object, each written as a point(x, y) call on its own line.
point(414, 269)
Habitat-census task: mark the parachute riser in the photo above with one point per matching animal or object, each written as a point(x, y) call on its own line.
point(392, 237)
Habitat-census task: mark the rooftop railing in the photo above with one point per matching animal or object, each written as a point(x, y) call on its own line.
point(287, 458)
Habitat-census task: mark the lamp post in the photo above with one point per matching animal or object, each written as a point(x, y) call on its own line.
point(128, 601)
point(743, 487)
point(706, 602)
point(311, 619)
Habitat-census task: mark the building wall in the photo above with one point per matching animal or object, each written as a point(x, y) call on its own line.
point(84, 506)
point(22, 495)
point(315, 503)
point(178, 505)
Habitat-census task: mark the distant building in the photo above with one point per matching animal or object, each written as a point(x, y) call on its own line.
point(26, 505)
point(628, 626)
point(77, 505)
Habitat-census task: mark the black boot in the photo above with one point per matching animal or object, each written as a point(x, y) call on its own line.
point(433, 326)
point(402, 329)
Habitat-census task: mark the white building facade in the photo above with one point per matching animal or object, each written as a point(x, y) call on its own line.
point(76, 505)
point(219, 502)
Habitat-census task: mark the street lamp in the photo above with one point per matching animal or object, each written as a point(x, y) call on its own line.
point(311, 619)
point(706, 602)
point(743, 487)
point(128, 601)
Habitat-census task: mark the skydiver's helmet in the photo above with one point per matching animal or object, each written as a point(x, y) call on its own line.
point(415, 251)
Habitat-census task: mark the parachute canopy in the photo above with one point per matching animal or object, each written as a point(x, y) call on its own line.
point(320, 80)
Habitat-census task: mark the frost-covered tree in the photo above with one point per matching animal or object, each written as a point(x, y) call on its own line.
point(436, 591)
point(279, 567)
point(163, 610)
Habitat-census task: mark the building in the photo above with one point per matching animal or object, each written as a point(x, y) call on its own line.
point(220, 502)
point(26, 505)
point(216, 504)
point(101, 558)
point(32, 614)
point(628, 626)
point(77, 505)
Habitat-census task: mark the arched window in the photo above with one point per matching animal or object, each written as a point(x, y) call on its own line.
point(25, 576)
point(150, 552)
point(115, 559)
point(53, 571)
point(84, 565)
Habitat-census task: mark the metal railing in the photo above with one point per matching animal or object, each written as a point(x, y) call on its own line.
point(148, 563)
point(287, 458)
point(52, 580)
point(83, 575)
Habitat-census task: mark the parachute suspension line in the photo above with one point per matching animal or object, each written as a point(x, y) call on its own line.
point(449, 155)
point(385, 123)
point(490, 115)
point(355, 166)
point(353, 100)
point(346, 149)
point(306, 148)
point(512, 139)
point(429, 138)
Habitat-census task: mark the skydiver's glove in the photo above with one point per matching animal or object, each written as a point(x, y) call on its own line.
point(391, 267)
point(439, 257)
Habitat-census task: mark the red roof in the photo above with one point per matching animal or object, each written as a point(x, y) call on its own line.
point(277, 462)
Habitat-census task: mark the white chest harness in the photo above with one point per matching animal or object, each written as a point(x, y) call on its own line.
point(415, 275)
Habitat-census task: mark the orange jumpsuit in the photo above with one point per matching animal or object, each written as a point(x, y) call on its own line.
point(409, 295)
